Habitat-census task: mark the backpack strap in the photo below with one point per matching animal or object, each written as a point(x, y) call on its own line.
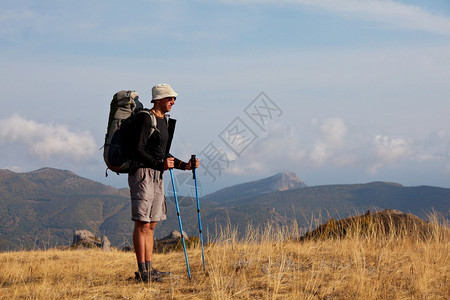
point(153, 126)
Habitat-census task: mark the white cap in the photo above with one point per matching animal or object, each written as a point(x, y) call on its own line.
point(161, 91)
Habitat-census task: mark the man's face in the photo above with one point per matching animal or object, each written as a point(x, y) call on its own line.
point(167, 103)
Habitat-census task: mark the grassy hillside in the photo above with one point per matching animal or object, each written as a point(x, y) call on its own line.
point(263, 265)
point(43, 208)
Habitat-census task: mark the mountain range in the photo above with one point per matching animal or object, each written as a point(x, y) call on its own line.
point(42, 209)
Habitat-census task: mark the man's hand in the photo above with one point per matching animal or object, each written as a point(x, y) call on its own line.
point(169, 163)
point(189, 166)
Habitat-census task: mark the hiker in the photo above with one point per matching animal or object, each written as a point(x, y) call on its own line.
point(150, 158)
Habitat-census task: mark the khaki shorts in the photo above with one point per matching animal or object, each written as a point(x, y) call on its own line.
point(148, 203)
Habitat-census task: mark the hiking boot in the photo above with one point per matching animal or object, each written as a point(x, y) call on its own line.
point(142, 277)
point(146, 277)
point(158, 273)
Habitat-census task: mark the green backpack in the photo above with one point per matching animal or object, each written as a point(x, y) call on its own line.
point(124, 106)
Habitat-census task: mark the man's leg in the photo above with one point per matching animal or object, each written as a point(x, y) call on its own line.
point(149, 246)
point(139, 240)
point(149, 241)
point(155, 274)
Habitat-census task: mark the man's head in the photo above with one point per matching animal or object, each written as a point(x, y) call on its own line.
point(161, 91)
point(163, 97)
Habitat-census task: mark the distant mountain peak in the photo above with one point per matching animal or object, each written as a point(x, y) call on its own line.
point(56, 181)
point(282, 181)
point(48, 170)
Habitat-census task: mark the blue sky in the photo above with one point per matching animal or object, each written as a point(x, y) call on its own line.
point(361, 87)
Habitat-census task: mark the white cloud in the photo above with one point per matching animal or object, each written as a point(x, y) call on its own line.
point(388, 150)
point(280, 149)
point(433, 148)
point(47, 141)
point(286, 148)
point(333, 132)
point(320, 154)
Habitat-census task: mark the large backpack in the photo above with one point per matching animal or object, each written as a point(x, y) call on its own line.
point(124, 106)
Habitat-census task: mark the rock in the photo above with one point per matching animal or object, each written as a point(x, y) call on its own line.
point(172, 242)
point(82, 235)
point(176, 234)
point(86, 239)
point(106, 244)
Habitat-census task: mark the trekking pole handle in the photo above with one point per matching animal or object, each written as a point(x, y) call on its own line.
point(193, 163)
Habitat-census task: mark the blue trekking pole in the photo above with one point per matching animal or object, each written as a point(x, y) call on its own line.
point(193, 162)
point(179, 221)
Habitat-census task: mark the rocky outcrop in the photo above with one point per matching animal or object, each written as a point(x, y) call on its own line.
point(286, 181)
point(86, 239)
point(106, 244)
point(174, 235)
point(378, 224)
point(174, 242)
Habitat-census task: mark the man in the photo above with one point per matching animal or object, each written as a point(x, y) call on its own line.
point(151, 157)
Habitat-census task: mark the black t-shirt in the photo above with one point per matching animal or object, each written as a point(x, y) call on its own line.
point(149, 152)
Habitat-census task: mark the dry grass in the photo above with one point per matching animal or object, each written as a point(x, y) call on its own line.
point(263, 266)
